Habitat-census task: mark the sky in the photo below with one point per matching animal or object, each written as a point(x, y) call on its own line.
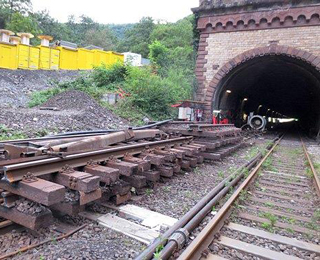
point(117, 11)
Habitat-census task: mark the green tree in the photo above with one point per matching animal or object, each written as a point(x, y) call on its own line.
point(102, 37)
point(9, 7)
point(138, 38)
point(174, 35)
point(159, 55)
point(21, 23)
point(50, 26)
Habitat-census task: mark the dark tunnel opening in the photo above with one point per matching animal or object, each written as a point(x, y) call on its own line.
point(272, 86)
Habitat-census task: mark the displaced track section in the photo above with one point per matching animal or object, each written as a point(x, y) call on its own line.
point(64, 175)
point(274, 213)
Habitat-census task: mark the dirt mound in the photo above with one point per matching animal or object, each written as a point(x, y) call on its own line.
point(72, 100)
point(17, 85)
point(77, 112)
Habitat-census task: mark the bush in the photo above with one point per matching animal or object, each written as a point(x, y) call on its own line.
point(153, 94)
point(109, 77)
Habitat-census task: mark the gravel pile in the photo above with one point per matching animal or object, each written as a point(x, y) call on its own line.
point(17, 85)
point(77, 111)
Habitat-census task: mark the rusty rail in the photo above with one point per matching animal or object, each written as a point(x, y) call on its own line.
point(15, 172)
point(314, 172)
point(203, 240)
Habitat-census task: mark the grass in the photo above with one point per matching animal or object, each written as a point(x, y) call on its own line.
point(290, 230)
point(316, 215)
point(243, 195)
point(220, 174)
point(39, 97)
point(273, 219)
point(267, 226)
point(309, 173)
point(149, 192)
point(9, 134)
point(245, 173)
point(269, 204)
point(268, 165)
point(252, 153)
point(157, 253)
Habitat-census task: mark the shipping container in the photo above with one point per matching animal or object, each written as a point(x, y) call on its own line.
point(23, 56)
point(68, 58)
point(85, 59)
point(8, 56)
point(114, 57)
point(54, 59)
point(34, 56)
point(44, 60)
point(100, 58)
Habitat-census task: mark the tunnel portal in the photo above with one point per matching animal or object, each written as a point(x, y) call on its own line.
point(259, 56)
point(276, 86)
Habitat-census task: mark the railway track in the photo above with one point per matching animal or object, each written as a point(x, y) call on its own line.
point(42, 176)
point(273, 214)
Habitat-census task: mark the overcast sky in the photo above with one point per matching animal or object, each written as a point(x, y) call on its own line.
point(117, 11)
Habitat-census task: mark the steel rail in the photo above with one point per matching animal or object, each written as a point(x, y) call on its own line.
point(314, 172)
point(71, 135)
point(203, 240)
point(149, 252)
point(116, 130)
point(15, 172)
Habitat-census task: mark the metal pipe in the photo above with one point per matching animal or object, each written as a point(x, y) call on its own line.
point(196, 220)
point(148, 253)
point(15, 172)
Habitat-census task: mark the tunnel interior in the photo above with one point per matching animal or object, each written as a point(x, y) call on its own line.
point(272, 86)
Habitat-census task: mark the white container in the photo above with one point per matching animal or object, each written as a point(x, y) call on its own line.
point(5, 35)
point(133, 59)
point(25, 38)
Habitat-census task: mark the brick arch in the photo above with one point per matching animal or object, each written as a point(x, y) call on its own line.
point(271, 50)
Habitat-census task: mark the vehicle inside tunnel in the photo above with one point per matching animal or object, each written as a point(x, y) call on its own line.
point(274, 86)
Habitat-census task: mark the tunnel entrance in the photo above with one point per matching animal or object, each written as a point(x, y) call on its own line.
point(279, 86)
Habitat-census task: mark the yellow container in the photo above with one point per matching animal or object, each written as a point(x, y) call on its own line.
point(34, 58)
point(44, 62)
point(114, 57)
point(99, 58)
point(8, 56)
point(49, 58)
point(68, 58)
point(85, 59)
point(54, 59)
point(23, 56)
